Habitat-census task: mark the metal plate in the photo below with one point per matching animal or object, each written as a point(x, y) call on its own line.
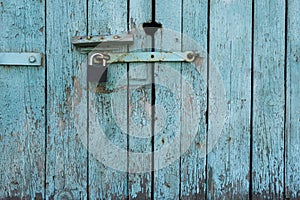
point(21, 59)
point(92, 41)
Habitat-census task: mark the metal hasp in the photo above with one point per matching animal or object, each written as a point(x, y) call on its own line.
point(20, 59)
point(97, 62)
point(100, 49)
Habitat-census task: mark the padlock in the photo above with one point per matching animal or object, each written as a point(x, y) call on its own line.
point(97, 68)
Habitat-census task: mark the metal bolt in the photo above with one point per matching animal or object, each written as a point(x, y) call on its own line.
point(190, 56)
point(32, 59)
point(89, 37)
point(116, 37)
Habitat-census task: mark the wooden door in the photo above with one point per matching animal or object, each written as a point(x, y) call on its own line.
point(225, 126)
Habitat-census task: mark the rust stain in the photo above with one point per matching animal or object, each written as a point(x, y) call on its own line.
point(198, 61)
point(36, 124)
point(199, 145)
point(68, 93)
point(78, 91)
point(42, 29)
point(167, 184)
point(101, 88)
point(62, 125)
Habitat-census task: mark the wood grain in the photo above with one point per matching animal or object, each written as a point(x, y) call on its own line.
point(66, 155)
point(22, 102)
point(292, 167)
point(230, 53)
point(167, 79)
point(268, 100)
point(139, 121)
point(193, 161)
point(107, 182)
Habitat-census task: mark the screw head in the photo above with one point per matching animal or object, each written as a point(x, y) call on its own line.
point(116, 37)
point(32, 59)
point(190, 55)
point(89, 37)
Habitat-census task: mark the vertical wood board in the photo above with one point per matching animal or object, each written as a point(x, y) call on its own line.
point(66, 154)
point(268, 100)
point(22, 102)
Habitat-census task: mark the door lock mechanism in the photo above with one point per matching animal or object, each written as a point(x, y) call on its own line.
point(101, 52)
point(97, 67)
point(98, 59)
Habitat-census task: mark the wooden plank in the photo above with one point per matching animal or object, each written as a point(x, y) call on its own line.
point(139, 120)
point(268, 100)
point(22, 103)
point(230, 51)
point(66, 154)
point(292, 104)
point(108, 175)
point(167, 126)
point(193, 162)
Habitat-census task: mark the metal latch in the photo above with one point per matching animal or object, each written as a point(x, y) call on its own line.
point(101, 47)
point(97, 62)
point(20, 59)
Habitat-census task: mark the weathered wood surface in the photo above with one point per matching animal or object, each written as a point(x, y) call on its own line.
point(105, 181)
point(268, 100)
point(139, 102)
point(49, 124)
point(292, 145)
point(22, 108)
point(66, 164)
point(167, 79)
point(228, 163)
point(193, 161)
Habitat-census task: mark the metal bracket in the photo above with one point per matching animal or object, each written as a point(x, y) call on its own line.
point(134, 57)
point(20, 59)
point(100, 42)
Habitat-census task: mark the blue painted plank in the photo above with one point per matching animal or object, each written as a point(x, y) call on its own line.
point(22, 103)
point(139, 121)
point(66, 175)
point(193, 161)
point(108, 110)
point(167, 126)
point(230, 52)
point(292, 104)
point(268, 99)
